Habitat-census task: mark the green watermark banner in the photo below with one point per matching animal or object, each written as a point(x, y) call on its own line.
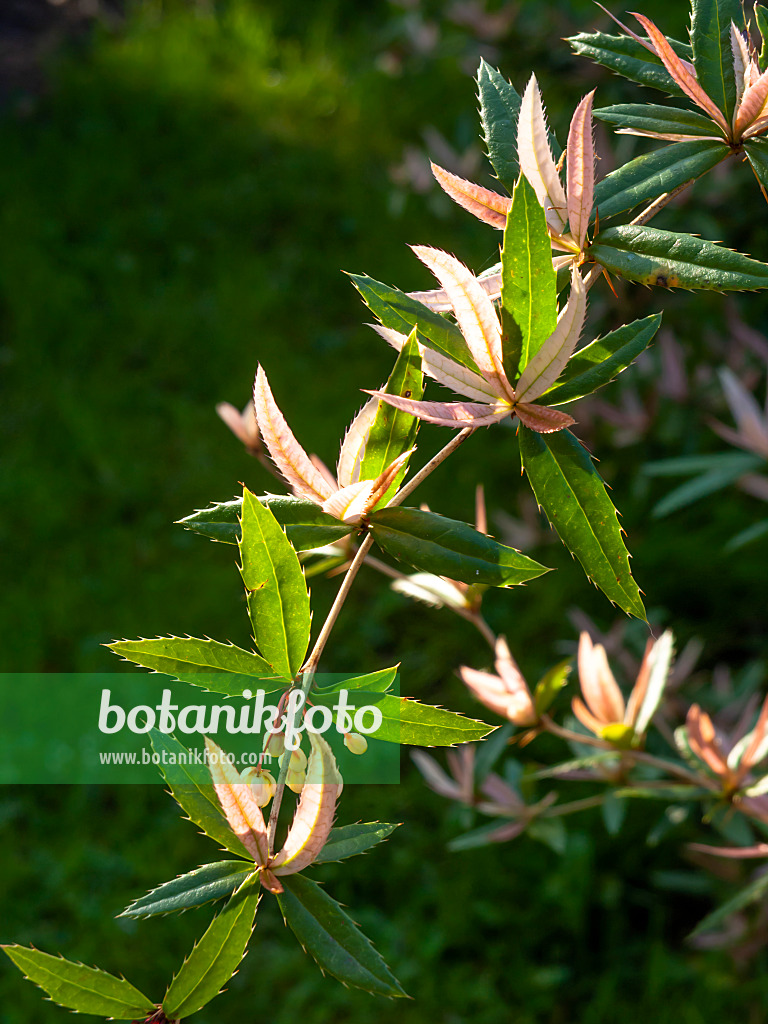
point(135, 728)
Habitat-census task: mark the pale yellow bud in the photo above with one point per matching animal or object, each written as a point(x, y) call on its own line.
point(355, 743)
point(295, 780)
point(274, 744)
point(298, 761)
point(262, 784)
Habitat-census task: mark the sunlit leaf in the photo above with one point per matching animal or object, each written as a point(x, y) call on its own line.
point(350, 840)
point(711, 44)
point(80, 988)
point(602, 360)
point(278, 602)
point(656, 119)
point(447, 547)
point(670, 259)
point(305, 523)
point(215, 958)
point(499, 110)
point(221, 668)
point(573, 497)
point(627, 57)
point(528, 280)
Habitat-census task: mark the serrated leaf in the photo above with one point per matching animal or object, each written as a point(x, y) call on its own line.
point(198, 799)
point(393, 432)
point(80, 988)
point(499, 110)
point(671, 259)
point(306, 525)
point(215, 958)
point(450, 548)
point(221, 668)
point(408, 722)
point(349, 840)
point(761, 17)
point(374, 682)
point(657, 119)
point(602, 360)
point(399, 312)
point(573, 497)
point(332, 939)
point(528, 280)
point(203, 885)
point(722, 475)
point(626, 57)
point(648, 176)
point(751, 893)
point(278, 601)
point(711, 45)
point(757, 154)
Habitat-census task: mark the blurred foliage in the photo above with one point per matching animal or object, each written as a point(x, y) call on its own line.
point(178, 206)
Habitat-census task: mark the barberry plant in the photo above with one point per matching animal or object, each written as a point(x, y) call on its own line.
point(509, 343)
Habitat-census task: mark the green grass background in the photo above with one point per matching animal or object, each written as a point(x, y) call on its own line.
point(177, 207)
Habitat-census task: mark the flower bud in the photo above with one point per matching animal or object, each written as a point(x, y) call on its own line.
point(274, 744)
point(355, 743)
point(262, 784)
point(295, 780)
point(298, 761)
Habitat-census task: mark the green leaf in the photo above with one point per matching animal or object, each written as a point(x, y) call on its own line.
point(528, 280)
point(215, 958)
point(669, 793)
point(394, 309)
point(349, 840)
point(278, 601)
point(573, 497)
point(628, 58)
point(332, 939)
point(614, 810)
point(751, 893)
point(450, 548)
point(392, 431)
point(690, 464)
point(306, 525)
point(499, 111)
point(550, 831)
point(711, 44)
point(670, 259)
point(203, 885)
point(648, 176)
point(722, 475)
point(602, 360)
point(198, 800)
point(761, 17)
point(408, 722)
point(655, 117)
point(375, 682)
point(747, 536)
point(222, 668)
point(550, 684)
point(80, 988)
point(757, 154)
point(482, 836)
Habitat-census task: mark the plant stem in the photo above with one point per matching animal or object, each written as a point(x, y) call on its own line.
point(308, 674)
point(574, 806)
point(310, 665)
point(432, 465)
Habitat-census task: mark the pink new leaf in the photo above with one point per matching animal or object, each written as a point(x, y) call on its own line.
point(542, 419)
point(487, 206)
point(600, 689)
point(437, 299)
point(287, 454)
point(581, 170)
point(752, 105)
point(681, 74)
point(474, 311)
point(353, 445)
point(536, 160)
point(449, 414)
point(243, 814)
point(548, 363)
point(349, 503)
point(315, 812)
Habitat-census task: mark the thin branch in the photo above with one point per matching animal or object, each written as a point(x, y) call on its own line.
point(432, 465)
